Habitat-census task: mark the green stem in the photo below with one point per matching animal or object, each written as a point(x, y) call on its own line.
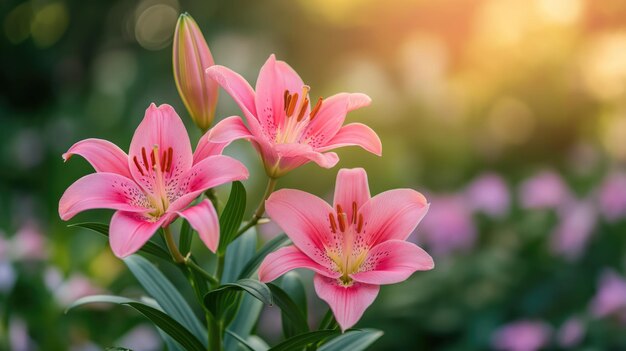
point(258, 214)
point(191, 264)
point(221, 258)
point(171, 245)
point(214, 329)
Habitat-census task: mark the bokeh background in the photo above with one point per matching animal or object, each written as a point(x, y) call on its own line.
point(510, 115)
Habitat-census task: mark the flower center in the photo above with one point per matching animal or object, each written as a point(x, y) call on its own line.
point(295, 107)
point(160, 164)
point(353, 251)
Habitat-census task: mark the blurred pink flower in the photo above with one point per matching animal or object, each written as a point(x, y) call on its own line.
point(29, 243)
point(8, 276)
point(354, 247)
point(612, 197)
point(152, 185)
point(282, 126)
point(610, 297)
point(571, 333)
point(141, 338)
point(75, 287)
point(489, 194)
point(19, 339)
point(191, 57)
point(524, 335)
point(545, 190)
point(577, 221)
point(449, 226)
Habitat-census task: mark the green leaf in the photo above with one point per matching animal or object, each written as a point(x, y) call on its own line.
point(239, 252)
point(355, 340)
point(252, 265)
point(328, 322)
point(290, 312)
point(186, 234)
point(247, 316)
point(164, 292)
point(242, 341)
point(149, 247)
point(225, 298)
point(293, 287)
point(159, 318)
point(231, 217)
point(299, 342)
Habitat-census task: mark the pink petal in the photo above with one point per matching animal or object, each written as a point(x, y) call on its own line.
point(239, 89)
point(274, 78)
point(130, 231)
point(332, 114)
point(351, 187)
point(203, 218)
point(208, 173)
point(392, 262)
point(103, 155)
point(286, 259)
point(355, 134)
point(393, 214)
point(304, 218)
point(347, 303)
point(295, 155)
point(102, 190)
point(221, 135)
point(161, 126)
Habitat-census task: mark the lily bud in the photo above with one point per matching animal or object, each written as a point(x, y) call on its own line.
point(191, 57)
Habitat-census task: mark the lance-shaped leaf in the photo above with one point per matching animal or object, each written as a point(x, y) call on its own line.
point(301, 341)
point(290, 312)
point(164, 322)
point(354, 340)
point(232, 215)
point(223, 301)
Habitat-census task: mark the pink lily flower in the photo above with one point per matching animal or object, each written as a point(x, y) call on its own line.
point(354, 246)
point(283, 127)
point(152, 185)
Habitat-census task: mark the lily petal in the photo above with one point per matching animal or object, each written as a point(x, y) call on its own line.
point(392, 262)
point(304, 218)
point(208, 173)
point(357, 134)
point(274, 78)
point(162, 127)
point(214, 141)
point(103, 155)
point(203, 218)
point(327, 122)
point(102, 190)
point(286, 259)
point(239, 89)
point(347, 303)
point(392, 215)
point(351, 187)
point(130, 231)
point(295, 155)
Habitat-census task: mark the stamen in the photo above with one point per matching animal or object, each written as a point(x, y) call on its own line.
point(169, 159)
point(287, 102)
point(137, 165)
point(359, 226)
point(305, 104)
point(292, 104)
point(316, 109)
point(354, 212)
point(152, 158)
point(333, 224)
point(286, 99)
point(145, 159)
point(339, 209)
point(163, 160)
point(342, 221)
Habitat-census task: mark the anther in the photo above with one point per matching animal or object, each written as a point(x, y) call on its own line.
point(354, 212)
point(285, 99)
point(342, 221)
point(145, 159)
point(163, 160)
point(152, 159)
point(305, 104)
point(339, 209)
point(137, 165)
point(333, 224)
point(292, 104)
point(169, 159)
point(359, 226)
point(316, 109)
